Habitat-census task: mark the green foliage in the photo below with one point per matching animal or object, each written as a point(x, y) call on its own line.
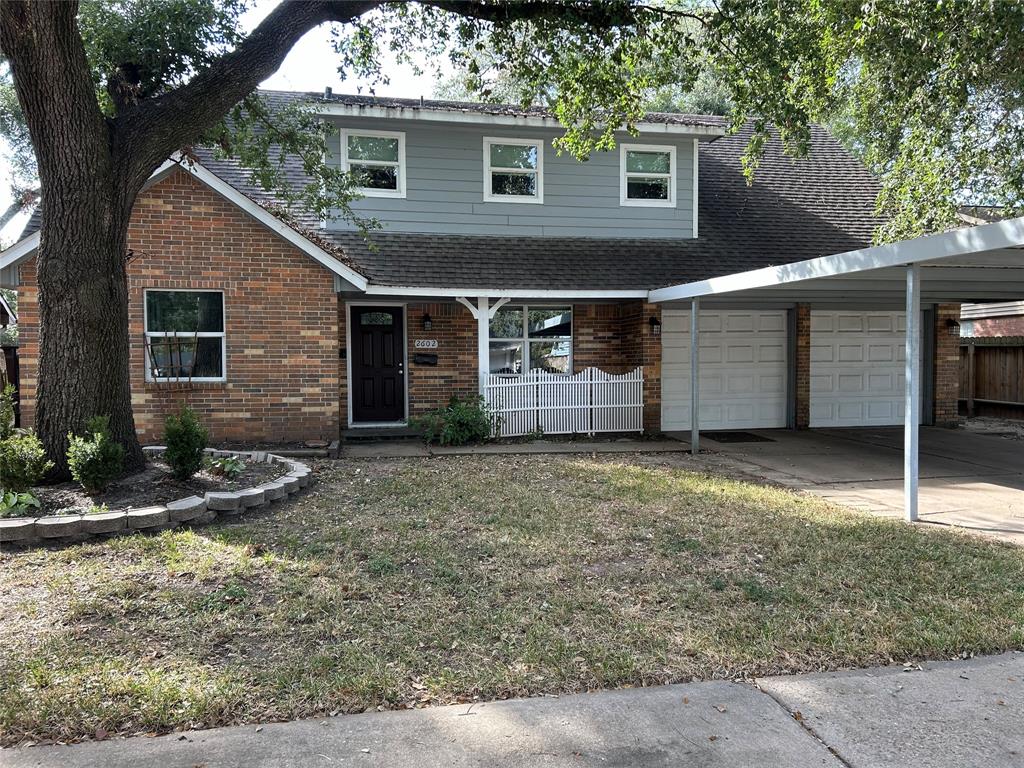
point(226, 466)
point(185, 439)
point(94, 458)
point(13, 504)
point(23, 461)
point(97, 509)
point(461, 422)
point(7, 411)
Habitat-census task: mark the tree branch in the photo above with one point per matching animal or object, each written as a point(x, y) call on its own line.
point(147, 133)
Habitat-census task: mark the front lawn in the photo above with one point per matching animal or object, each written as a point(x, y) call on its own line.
point(406, 582)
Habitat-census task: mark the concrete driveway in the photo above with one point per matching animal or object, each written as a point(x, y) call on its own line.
point(971, 480)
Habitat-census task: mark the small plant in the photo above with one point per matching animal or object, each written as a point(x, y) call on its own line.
point(17, 504)
point(95, 459)
point(7, 411)
point(23, 461)
point(97, 509)
point(227, 466)
point(461, 422)
point(185, 439)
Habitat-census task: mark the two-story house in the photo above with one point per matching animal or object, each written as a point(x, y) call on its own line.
point(497, 256)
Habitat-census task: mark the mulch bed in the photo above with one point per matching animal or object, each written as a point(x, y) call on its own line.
point(153, 485)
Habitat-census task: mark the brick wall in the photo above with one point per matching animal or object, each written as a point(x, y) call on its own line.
point(997, 326)
point(803, 366)
point(281, 322)
point(947, 367)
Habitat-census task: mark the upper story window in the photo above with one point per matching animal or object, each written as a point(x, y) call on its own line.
point(377, 160)
point(514, 170)
point(185, 336)
point(647, 175)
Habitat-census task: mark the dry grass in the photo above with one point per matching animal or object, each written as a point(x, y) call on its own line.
point(403, 583)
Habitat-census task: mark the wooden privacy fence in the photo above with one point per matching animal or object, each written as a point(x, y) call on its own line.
point(556, 404)
point(992, 375)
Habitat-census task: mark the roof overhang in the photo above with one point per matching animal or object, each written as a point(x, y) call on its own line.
point(973, 264)
point(543, 294)
point(706, 132)
point(22, 250)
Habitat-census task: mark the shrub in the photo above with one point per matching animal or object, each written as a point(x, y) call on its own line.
point(7, 411)
point(461, 422)
point(94, 458)
point(185, 439)
point(23, 461)
point(17, 504)
point(227, 466)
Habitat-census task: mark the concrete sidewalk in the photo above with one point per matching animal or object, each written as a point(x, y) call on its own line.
point(948, 714)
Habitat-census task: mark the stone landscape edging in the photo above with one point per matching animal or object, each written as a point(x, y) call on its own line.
point(191, 510)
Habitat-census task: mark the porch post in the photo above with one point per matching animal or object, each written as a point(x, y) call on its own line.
point(694, 376)
point(483, 333)
point(912, 405)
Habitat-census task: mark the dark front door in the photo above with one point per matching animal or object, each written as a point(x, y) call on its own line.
point(378, 364)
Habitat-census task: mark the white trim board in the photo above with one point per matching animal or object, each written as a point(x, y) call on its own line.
point(483, 118)
point(24, 248)
point(960, 242)
point(509, 293)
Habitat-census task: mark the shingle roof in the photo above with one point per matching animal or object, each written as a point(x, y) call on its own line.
point(796, 209)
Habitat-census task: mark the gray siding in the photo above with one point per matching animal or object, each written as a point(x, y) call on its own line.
point(444, 188)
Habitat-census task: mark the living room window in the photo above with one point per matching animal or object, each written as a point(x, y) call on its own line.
point(531, 338)
point(377, 161)
point(185, 338)
point(514, 170)
point(647, 175)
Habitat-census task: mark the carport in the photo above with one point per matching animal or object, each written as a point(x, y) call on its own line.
point(973, 264)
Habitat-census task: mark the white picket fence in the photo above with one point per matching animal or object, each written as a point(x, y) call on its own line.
point(556, 404)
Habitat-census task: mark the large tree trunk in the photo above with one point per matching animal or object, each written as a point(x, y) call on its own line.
point(83, 326)
point(85, 206)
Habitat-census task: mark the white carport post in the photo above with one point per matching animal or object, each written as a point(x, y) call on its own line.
point(912, 406)
point(694, 376)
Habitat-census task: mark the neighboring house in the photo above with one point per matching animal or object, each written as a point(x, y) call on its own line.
point(500, 256)
point(1004, 318)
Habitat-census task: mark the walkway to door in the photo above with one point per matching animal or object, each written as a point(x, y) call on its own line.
point(971, 480)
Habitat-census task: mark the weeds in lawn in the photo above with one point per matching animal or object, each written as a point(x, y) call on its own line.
point(404, 583)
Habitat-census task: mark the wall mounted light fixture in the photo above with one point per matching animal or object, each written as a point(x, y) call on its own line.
point(428, 322)
point(655, 326)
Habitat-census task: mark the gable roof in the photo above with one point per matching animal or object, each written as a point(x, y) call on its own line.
point(795, 209)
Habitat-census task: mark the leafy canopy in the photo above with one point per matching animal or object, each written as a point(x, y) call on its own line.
point(928, 92)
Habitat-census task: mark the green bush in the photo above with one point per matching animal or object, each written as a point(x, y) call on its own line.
point(94, 458)
point(7, 411)
point(227, 466)
point(23, 461)
point(461, 422)
point(17, 504)
point(185, 439)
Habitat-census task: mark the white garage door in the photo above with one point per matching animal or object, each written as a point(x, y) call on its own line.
point(857, 368)
point(742, 370)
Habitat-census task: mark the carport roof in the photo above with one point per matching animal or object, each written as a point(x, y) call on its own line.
point(973, 264)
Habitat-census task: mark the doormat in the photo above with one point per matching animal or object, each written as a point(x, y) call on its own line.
point(736, 437)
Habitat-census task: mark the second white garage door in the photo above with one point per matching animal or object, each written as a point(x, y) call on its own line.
point(742, 370)
point(857, 368)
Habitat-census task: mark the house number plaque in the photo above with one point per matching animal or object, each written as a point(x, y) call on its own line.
point(425, 344)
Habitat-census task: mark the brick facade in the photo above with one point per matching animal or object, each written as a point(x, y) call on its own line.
point(281, 325)
point(802, 366)
point(947, 366)
point(997, 326)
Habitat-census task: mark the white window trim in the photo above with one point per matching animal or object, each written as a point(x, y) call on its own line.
point(186, 334)
point(492, 198)
point(671, 176)
point(344, 133)
point(525, 337)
